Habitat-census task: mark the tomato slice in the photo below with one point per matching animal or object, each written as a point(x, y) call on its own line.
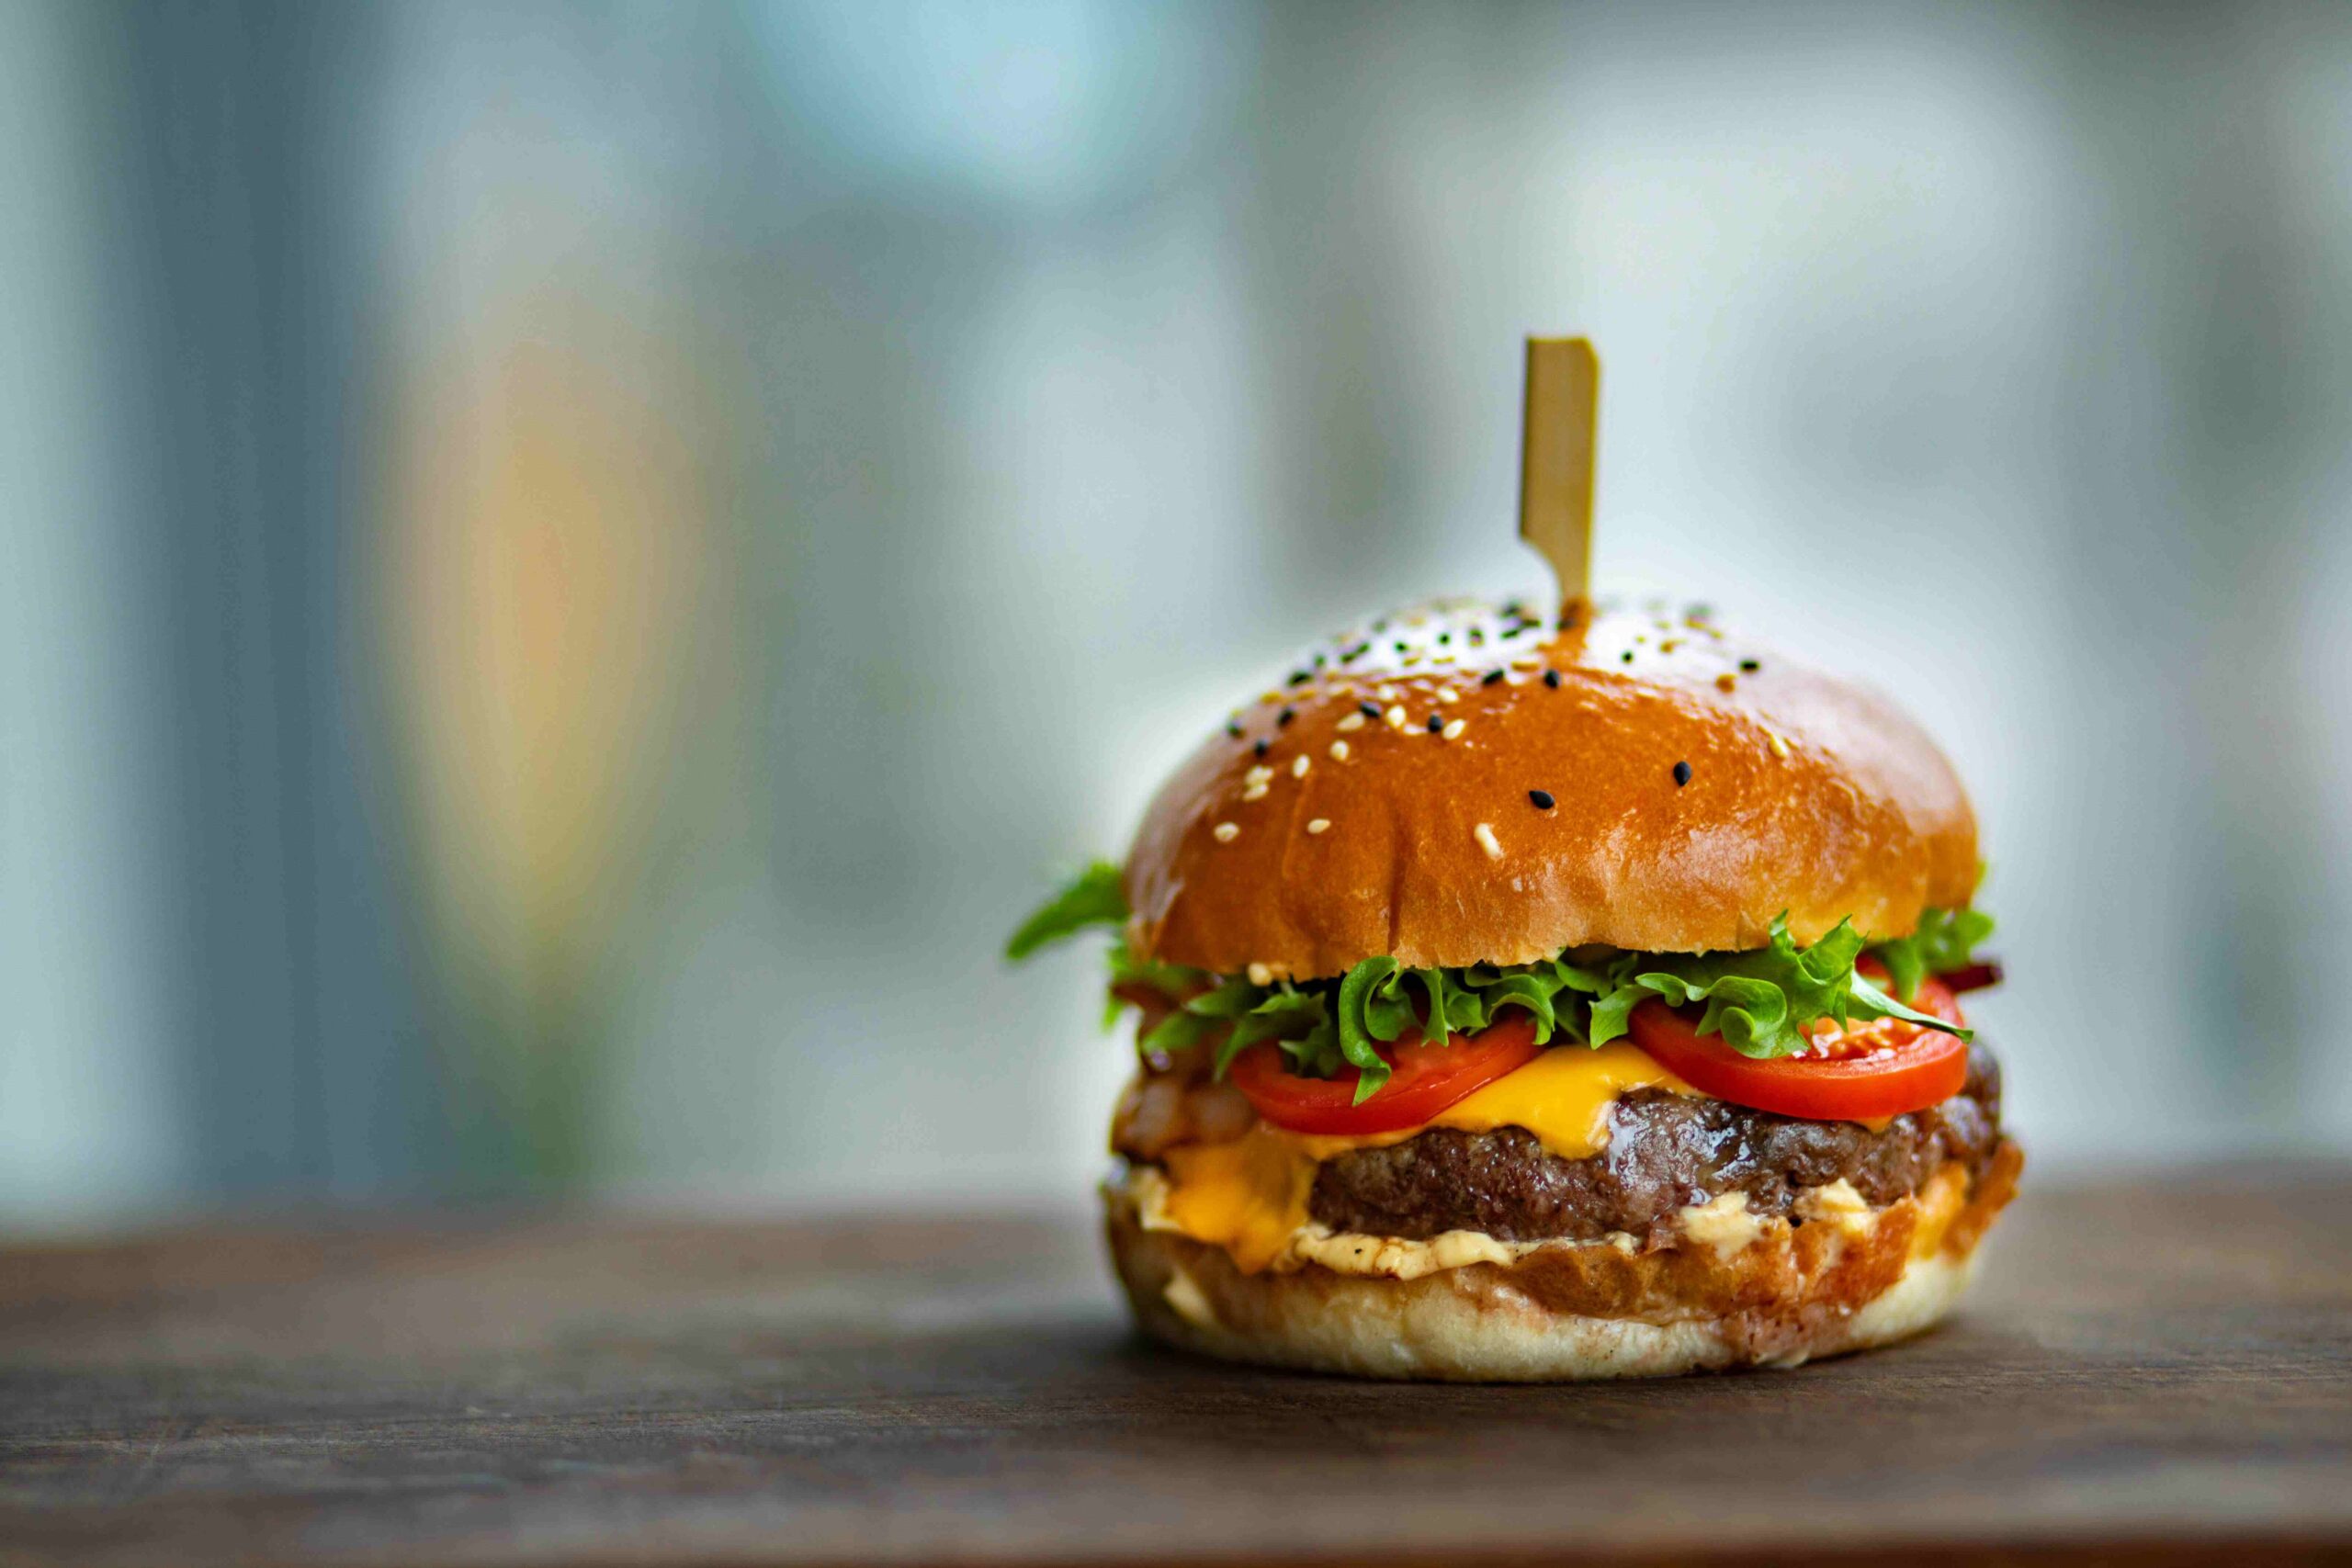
point(1881, 1067)
point(1424, 1081)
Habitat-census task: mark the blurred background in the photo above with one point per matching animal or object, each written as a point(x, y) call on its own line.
point(566, 573)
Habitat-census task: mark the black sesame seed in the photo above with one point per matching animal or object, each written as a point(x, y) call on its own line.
point(1319, 662)
point(1541, 797)
point(1443, 638)
point(1282, 719)
point(1552, 679)
point(1436, 724)
point(1261, 747)
point(1750, 666)
point(1627, 656)
point(1370, 710)
point(1350, 655)
point(1510, 632)
point(1301, 677)
point(1477, 636)
point(1682, 774)
point(1234, 730)
point(1491, 677)
point(1401, 647)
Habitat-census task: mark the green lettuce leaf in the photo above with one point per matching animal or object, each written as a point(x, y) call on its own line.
point(1096, 896)
point(1760, 1001)
point(1945, 940)
point(1757, 1002)
point(1178, 1031)
point(1373, 1007)
point(1292, 1017)
point(1529, 989)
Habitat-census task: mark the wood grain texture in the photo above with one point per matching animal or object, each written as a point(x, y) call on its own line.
point(2160, 1372)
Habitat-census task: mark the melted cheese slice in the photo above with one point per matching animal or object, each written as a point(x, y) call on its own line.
point(1250, 1196)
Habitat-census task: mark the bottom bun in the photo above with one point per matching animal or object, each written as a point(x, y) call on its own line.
point(1573, 1311)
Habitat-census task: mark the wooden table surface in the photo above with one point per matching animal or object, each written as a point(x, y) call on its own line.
point(2161, 1372)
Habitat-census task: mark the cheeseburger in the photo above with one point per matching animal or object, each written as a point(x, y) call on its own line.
point(1529, 998)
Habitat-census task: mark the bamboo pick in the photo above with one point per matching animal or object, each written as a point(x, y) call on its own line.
point(1556, 459)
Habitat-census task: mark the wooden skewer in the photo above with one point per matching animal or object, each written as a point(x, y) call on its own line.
point(1556, 456)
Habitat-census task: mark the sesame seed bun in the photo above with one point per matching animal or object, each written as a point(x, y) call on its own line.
point(1699, 787)
point(1569, 1312)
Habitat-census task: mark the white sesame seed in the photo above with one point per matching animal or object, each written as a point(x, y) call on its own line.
point(1319, 824)
point(1255, 791)
point(1387, 694)
point(1260, 975)
point(1395, 717)
point(1258, 774)
point(1448, 694)
point(1780, 746)
point(1486, 842)
point(1351, 723)
point(1450, 730)
point(1225, 832)
point(1299, 769)
point(1338, 751)
point(1271, 697)
point(1527, 661)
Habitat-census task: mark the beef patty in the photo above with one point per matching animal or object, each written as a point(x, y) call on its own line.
point(1665, 1150)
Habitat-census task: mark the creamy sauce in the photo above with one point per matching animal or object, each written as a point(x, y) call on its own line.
point(1162, 1205)
point(1722, 1225)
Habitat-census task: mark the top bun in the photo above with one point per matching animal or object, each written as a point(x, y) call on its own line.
point(1700, 786)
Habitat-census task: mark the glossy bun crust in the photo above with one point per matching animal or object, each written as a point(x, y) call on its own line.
point(1801, 793)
